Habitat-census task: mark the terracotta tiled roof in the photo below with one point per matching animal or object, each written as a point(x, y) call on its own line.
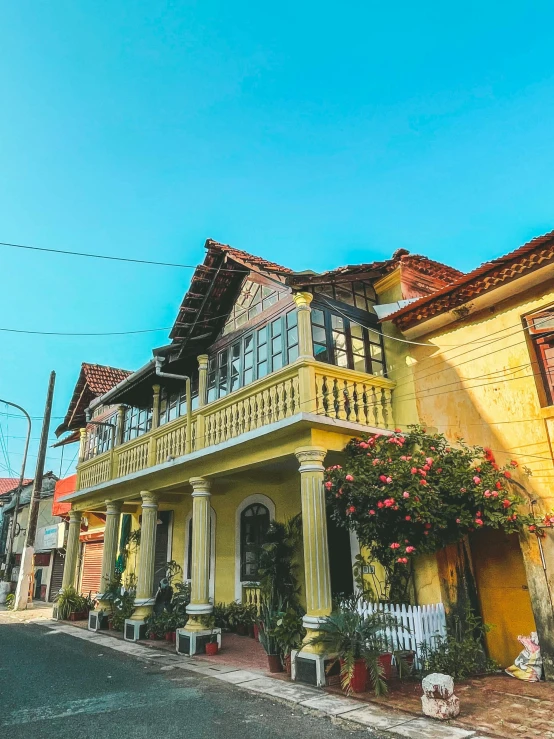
point(248, 259)
point(7, 484)
point(531, 256)
point(94, 380)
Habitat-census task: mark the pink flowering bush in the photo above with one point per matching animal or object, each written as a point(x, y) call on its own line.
point(414, 493)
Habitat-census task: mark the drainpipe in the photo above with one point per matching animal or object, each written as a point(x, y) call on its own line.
point(186, 378)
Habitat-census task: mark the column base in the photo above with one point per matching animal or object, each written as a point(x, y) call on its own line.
point(134, 629)
point(97, 620)
point(143, 608)
point(194, 642)
point(318, 670)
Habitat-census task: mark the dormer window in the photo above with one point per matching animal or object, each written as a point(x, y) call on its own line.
point(253, 299)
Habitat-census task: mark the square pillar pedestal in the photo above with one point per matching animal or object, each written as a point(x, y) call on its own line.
point(97, 620)
point(318, 670)
point(194, 642)
point(134, 629)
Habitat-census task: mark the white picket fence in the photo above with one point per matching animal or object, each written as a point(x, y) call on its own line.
point(421, 624)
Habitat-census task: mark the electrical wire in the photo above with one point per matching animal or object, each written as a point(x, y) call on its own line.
point(117, 259)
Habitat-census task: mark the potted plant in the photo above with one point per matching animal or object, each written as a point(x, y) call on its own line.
point(289, 634)
point(267, 622)
point(71, 605)
point(212, 646)
point(358, 643)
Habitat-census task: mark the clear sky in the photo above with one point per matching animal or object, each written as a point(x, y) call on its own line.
point(311, 133)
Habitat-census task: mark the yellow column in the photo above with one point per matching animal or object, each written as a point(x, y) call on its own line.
point(305, 345)
point(200, 606)
point(109, 553)
point(314, 528)
point(145, 578)
point(155, 406)
point(72, 549)
point(82, 444)
point(202, 379)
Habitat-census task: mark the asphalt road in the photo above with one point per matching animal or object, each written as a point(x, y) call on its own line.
point(53, 686)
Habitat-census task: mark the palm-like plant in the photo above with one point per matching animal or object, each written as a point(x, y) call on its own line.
point(351, 637)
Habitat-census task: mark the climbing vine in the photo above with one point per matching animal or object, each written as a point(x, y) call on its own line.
point(412, 493)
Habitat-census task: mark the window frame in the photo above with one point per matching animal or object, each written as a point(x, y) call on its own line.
point(541, 340)
point(260, 536)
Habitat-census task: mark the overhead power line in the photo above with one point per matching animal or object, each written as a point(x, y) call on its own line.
point(116, 259)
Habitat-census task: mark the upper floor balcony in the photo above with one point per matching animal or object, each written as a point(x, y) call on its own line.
point(305, 390)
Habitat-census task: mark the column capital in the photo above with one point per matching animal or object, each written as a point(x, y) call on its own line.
point(113, 507)
point(75, 516)
point(156, 389)
point(311, 458)
point(200, 486)
point(149, 500)
point(202, 361)
point(83, 432)
point(303, 300)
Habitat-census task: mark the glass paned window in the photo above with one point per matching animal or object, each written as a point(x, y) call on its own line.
point(253, 299)
point(254, 523)
point(360, 295)
point(340, 340)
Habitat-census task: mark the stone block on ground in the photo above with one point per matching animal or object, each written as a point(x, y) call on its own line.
point(439, 708)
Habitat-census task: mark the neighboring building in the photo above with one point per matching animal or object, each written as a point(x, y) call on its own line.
point(49, 541)
point(284, 368)
point(94, 380)
point(489, 379)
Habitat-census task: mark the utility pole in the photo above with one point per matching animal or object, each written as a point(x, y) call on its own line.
point(27, 557)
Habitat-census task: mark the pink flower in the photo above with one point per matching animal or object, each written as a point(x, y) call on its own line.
point(380, 504)
point(395, 545)
point(423, 482)
point(389, 480)
point(428, 525)
point(351, 510)
point(383, 478)
point(364, 445)
point(477, 480)
point(479, 522)
point(423, 472)
point(487, 493)
point(389, 502)
point(403, 457)
point(514, 463)
point(405, 494)
point(328, 485)
point(414, 470)
point(498, 485)
point(371, 512)
point(349, 478)
point(426, 533)
point(429, 461)
point(462, 490)
point(376, 462)
point(407, 518)
point(532, 527)
point(494, 494)
point(507, 474)
point(506, 503)
point(458, 520)
point(410, 549)
point(432, 448)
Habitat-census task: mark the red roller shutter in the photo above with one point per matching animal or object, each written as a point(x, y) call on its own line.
point(92, 567)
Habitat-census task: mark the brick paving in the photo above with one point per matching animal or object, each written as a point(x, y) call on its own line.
point(497, 705)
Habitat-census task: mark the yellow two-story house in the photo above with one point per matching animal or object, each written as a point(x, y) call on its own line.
point(267, 375)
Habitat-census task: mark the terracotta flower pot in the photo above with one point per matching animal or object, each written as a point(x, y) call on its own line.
point(212, 648)
point(385, 660)
point(274, 662)
point(358, 683)
point(173, 637)
point(168, 635)
point(153, 637)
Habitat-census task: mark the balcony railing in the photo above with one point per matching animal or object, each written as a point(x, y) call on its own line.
point(305, 386)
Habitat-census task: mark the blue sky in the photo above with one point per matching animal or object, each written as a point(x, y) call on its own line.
point(314, 134)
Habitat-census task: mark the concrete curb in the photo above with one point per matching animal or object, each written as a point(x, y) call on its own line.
point(341, 710)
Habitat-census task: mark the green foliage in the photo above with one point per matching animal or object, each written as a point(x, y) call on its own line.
point(267, 623)
point(461, 653)
point(289, 631)
point(408, 494)
point(278, 568)
point(173, 570)
point(352, 636)
point(179, 603)
point(70, 601)
point(10, 601)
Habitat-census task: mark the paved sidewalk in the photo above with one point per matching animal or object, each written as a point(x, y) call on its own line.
point(349, 713)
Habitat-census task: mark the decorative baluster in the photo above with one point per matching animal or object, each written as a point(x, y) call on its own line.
point(336, 399)
point(282, 402)
point(347, 410)
point(355, 403)
point(374, 409)
point(387, 400)
point(365, 405)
